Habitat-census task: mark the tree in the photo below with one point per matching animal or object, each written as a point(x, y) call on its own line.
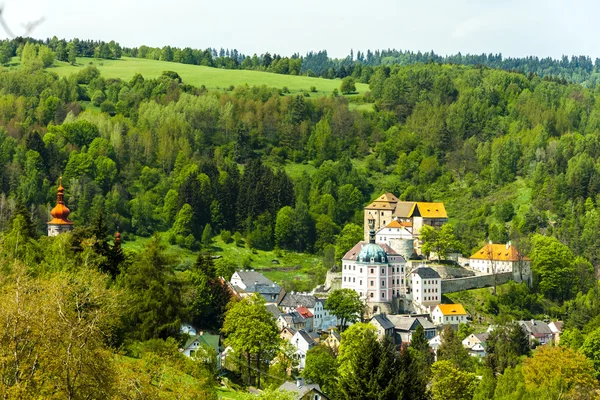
point(46, 56)
point(351, 234)
point(591, 349)
point(552, 264)
point(284, 228)
point(321, 368)
point(439, 241)
point(251, 330)
point(560, 370)
point(345, 304)
point(451, 383)
point(505, 346)
point(154, 304)
point(207, 236)
point(348, 85)
point(487, 386)
point(452, 350)
point(72, 53)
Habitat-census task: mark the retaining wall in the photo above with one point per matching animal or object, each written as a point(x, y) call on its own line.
point(474, 282)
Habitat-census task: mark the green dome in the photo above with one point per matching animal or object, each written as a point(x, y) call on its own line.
point(372, 253)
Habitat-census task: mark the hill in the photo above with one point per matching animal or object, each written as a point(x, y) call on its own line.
point(212, 78)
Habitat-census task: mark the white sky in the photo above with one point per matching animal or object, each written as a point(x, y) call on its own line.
point(512, 27)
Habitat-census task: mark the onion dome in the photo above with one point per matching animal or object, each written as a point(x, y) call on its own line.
point(372, 252)
point(60, 213)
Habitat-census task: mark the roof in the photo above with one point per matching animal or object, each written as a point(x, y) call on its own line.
point(305, 312)
point(383, 321)
point(300, 391)
point(293, 317)
point(249, 277)
point(305, 335)
point(404, 209)
point(425, 323)
point(207, 339)
point(395, 224)
point(557, 324)
point(452, 309)
point(336, 335)
point(402, 322)
point(432, 210)
point(426, 273)
point(352, 254)
point(264, 289)
point(536, 328)
point(296, 299)
point(386, 201)
point(498, 252)
point(274, 310)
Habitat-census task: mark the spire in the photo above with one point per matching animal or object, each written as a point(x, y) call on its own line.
point(371, 231)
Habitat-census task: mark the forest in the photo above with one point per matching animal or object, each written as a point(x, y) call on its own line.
point(513, 157)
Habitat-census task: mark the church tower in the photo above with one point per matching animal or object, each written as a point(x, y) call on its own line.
point(60, 215)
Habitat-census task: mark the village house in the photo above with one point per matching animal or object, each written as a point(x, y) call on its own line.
point(475, 343)
point(303, 342)
point(303, 391)
point(384, 326)
point(537, 331)
point(247, 282)
point(292, 320)
point(496, 258)
point(406, 325)
point(333, 340)
point(308, 317)
point(201, 346)
point(287, 333)
point(449, 314)
point(556, 328)
point(435, 343)
point(322, 318)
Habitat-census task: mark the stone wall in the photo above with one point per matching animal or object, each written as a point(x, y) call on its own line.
point(474, 282)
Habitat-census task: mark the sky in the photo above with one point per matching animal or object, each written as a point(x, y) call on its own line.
point(511, 27)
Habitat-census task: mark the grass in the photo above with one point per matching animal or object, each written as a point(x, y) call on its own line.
point(294, 271)
point(213, 78)
point(229, 394)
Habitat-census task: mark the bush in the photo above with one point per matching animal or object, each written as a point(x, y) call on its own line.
point(108, 107)
point(98, 98)
point(237, 237)
point(226, 236)
point(313, 89)
point(348, 85)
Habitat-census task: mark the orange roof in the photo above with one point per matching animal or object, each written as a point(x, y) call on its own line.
point(498, 252)
point(60, 213)
point(452, 309)
point(304, 312)
point(432, 210)
point(394, 224)
point(386, 201)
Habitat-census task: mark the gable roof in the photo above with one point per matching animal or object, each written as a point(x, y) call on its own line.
point(301, 391)
point(207, 339)
point(452, 309)
point(432, 210)
point(386, 201)
point(404, 209)
point(498, 252)
point(305, 312)
point(352, 254)
point(305, 335)
point(383, 321)
point(425, 323)
point(426, 272)
point(296, 300)
point(250, 277)
point(274, 310)
point(293, 317)
point(536, 328)
point(403, 322)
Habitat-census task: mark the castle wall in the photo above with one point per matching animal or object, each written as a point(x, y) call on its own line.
point(474, 282)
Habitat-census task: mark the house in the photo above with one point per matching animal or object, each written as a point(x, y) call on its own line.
point(425, 287)
point(287, 333)
point(556, 328)
point(322, 318)
point(475, 343)
point(405, 326)
point(292, 320)
point(333, 339)
point(435, 342)
point(202, 345)
point(397, 235)
point(304, 391)
point(375, 272)
point(303, 342)
point(537, 330)
point(188, 329)
point(308, 317)
point(449, 314)
point(496, 258)
point(250, 281)
point(384, 326)
point(274, 310)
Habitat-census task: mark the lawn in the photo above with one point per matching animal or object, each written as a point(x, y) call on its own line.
point(294, 271)
point(213, 78)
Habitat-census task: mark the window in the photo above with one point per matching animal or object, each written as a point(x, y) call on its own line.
point(353, 279)
point(354, 268)
point(382, 283)
point(372, 283)
point(372, 270)
point(360, 270)
point(371, 295)
point(383, 295)
point(360, 282)
point(344, 279)
point(383, 270)
point(382, 213)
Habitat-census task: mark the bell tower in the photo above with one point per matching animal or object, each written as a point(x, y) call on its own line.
point(60, 221)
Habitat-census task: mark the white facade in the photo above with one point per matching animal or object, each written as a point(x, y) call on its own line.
point(56, 229)
point(322, 317)
point(443, 317)
point(426, 291)
point(303, 343)
point(375, 282)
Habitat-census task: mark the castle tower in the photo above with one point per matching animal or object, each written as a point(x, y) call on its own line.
point(60, 215)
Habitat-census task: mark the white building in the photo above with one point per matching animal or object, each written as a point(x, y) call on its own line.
point(398, 235)
point(376, 272)
point(322, 318)
point(449, 314)
point(303, 342)
point(425, 287)
point(497, 258)
point(248, 282)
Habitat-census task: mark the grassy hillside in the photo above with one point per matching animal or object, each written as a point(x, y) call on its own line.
point(212, 78)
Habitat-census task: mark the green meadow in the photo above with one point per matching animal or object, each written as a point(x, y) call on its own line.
point(212, 78)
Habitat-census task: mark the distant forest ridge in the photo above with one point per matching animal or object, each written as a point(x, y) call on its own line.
point(578, 69)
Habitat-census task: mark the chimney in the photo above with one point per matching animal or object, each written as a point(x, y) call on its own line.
point(299, 382)
point(508, 245)
point(255, 283)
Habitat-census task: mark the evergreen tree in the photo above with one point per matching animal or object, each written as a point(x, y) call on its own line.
point(452, 350)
